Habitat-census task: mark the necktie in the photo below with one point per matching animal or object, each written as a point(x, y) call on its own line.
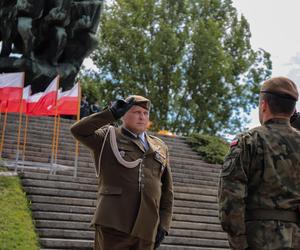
point(144, 142)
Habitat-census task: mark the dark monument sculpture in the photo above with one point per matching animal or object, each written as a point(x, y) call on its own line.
point(46, 38)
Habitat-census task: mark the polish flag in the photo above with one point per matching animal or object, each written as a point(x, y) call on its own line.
point(43, 103)
point(25, 98)
point(11, 86)
point(32, 101)
point(68, 101)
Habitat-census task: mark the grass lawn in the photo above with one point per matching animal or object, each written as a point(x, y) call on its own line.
point(16, 226)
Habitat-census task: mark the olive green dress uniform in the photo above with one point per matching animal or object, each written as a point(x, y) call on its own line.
point(124, 203)
point(262, 171)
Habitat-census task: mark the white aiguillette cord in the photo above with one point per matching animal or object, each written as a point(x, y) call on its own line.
point(114, 147)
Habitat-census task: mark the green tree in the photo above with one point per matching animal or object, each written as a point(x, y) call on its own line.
point(192, 58)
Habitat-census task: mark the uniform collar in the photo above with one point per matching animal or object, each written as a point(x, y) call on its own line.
point(134, 138)
point(281, 121)
point(132, 135)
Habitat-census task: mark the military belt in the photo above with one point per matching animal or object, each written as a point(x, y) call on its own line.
point(273, 214)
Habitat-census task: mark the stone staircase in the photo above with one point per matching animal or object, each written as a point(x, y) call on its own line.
point(62, 205)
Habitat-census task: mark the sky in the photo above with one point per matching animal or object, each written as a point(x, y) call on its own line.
point(274, 25)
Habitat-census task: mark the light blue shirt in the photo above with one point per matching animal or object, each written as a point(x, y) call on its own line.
point(141, 136)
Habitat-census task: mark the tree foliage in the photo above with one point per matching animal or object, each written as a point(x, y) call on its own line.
point(192, 58)
point(211, 148)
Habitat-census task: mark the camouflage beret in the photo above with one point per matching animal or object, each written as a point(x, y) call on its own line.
point(282, 87)
point(140, 101)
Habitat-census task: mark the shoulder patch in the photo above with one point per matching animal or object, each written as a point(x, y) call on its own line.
point(234, 143)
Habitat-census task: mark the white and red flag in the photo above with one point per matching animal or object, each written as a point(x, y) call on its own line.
point(68, 101)
point(11, 87)
point(25, 98)
point(43, 103)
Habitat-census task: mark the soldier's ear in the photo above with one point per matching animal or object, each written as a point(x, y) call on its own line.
point(263, 105)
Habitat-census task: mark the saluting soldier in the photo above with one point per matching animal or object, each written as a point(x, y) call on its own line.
point(259, 190)
point(135, 191)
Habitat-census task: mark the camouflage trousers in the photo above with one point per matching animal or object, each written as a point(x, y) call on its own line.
point(273, 235)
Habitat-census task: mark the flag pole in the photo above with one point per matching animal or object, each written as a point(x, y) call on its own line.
point(77, 143)
point(0, 110)
point(3, 131)
point(54, 129)
point(53, 141)
point(20, 124)
point(57, 137)
point(25, 139)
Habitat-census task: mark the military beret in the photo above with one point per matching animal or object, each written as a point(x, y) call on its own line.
point(282, 87)
point(140, 101)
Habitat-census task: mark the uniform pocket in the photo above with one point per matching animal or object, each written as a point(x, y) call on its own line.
point(228, 166)
point(127, 152)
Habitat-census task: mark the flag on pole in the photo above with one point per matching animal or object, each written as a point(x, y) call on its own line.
point(25, 98)
point(67, 101)
point(43, 103)
point(32, 102)
point(11, 87)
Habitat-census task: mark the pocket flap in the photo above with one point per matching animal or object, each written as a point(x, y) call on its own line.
point(161, 158)
point(110, 190)
point(125, 147)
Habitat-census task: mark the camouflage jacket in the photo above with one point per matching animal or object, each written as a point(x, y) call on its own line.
point(261, 171)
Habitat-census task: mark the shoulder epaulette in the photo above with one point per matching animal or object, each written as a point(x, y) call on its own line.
point(157, 138)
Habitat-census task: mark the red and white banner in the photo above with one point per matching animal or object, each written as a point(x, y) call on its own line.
point(67, 101)
point(25, 98)
point(43, 103)
point(11, 87)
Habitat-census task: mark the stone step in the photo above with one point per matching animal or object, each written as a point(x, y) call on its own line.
point(178, 180)
point(56, 191)
point(75, 225)
point(65, 154)
point(92, 202)
point(89, 234)
point(202, 174)
point(88, 166)
point(162, 247)
point(65, 134)
point(45, 144)
point(68, 185)
point(87, 244)
point(180, 159)
point(46, 207)
point(66, 243)
point(13, 124)
point(86, 218)
point(93, 181)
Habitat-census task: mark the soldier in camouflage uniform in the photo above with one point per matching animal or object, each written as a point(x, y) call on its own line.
point(259, 189)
